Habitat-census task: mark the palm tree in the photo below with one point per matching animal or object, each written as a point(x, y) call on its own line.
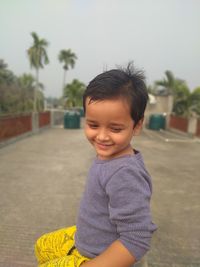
point(180, 91)
point(194, 101)
point(68, 58)
point(73, 93)
point(169, 83)
point(27, 81)
point(38, 57)
point(28, 85)
point(181, 100)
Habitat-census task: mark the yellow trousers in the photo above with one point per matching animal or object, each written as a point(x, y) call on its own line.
point(57, 249)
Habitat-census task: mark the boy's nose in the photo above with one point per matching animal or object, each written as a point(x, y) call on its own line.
point(102, 136)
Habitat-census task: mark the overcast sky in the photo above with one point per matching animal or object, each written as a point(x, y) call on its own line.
point(157, 35)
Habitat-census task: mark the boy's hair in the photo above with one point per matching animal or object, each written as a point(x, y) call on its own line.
point(127, 83)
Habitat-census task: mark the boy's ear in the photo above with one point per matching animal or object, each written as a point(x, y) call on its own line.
point(138, 127)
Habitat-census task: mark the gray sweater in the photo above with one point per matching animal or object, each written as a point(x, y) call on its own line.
point(116, 206)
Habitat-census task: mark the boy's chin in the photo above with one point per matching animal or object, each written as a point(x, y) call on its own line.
point(103, 155)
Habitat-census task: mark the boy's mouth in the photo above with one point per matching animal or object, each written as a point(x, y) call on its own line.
point(103, 146)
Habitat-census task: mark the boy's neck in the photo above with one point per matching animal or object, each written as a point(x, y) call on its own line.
point(129, 151)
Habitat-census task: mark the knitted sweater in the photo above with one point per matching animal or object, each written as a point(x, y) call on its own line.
point(116, 206)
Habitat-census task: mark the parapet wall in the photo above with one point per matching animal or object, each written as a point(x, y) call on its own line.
point(12, 126)
point(44, 119)
point(198, 128)
point(178, 123)
point(20, 125)
point(190, 125)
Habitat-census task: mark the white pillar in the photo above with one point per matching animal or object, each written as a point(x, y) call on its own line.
point(35, 122)
point(192, 125)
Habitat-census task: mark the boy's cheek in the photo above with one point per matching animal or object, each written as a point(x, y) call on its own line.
point(86, 130)
point(89, 134)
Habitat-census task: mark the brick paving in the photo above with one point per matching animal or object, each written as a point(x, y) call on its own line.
point(42, 179)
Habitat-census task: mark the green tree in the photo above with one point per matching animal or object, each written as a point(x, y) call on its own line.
point(181, 100)
point(180, 91)
point(68, 58)
point(194, 101)
point(169, 83)
point(27, 81)
point(40, 102)
point(9, 99)
point(9, 91)
point(28, 85)
point(73, 93)
point(6, 75)
point(38, 58)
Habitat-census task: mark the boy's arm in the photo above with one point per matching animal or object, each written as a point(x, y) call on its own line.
point(116, 255)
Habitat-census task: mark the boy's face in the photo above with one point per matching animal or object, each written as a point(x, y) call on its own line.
point(109, 127)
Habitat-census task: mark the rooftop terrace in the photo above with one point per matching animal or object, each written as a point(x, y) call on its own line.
point(42, 179)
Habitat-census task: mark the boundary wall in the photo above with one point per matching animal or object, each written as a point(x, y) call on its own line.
point(17, 126)
point(190, 125)
point(14, 127)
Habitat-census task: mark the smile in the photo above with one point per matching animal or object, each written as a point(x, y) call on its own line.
point(103, 146)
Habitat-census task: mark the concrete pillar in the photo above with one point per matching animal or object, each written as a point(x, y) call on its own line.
point(35, 122)
point(192, 125)
point(170, 102)
point(52, 117)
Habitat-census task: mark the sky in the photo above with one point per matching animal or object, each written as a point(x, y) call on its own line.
point(157, 35)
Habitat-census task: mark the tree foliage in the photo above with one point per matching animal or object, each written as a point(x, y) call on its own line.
point(170, 84)
point(194, 101)
point(16, 93)
point(73, 93)
point(68, 58)
point(6, 76)
point(37, 52)
point(185, 102)
point(38, 58)
point(24, 93)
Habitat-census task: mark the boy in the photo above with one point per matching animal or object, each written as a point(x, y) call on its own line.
point(114, 226)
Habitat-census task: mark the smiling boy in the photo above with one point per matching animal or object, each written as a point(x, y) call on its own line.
point(114, 226)
point(109, 127)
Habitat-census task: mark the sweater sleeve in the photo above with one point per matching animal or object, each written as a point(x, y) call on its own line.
point(129, 193)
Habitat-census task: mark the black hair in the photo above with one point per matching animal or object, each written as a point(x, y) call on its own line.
point(128, 83)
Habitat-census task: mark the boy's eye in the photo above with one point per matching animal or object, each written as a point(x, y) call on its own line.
point(93, 126)
point(116, 130)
